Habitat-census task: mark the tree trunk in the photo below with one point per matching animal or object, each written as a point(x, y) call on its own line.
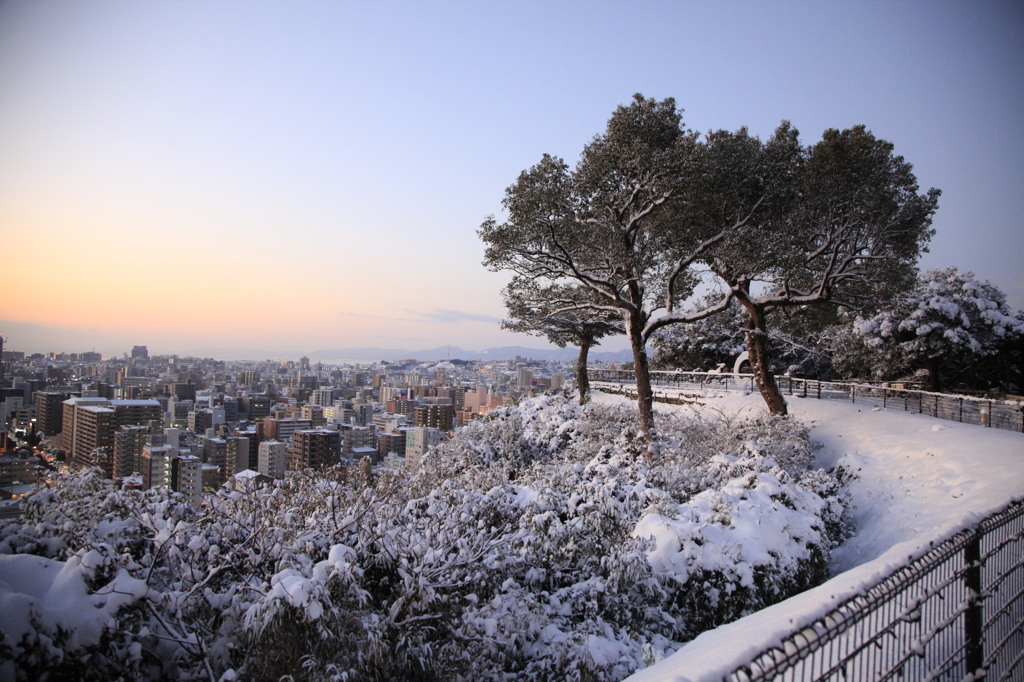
point(582, 377)
point(934, 383)
point(644, 393)
point(757, 351)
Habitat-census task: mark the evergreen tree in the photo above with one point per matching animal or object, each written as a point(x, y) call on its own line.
point(562, 314)
point(950, 320)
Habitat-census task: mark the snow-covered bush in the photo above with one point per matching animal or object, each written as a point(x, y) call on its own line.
point(536, 544)
point(949, 319)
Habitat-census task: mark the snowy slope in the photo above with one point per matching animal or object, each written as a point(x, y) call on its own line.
point(919, 479)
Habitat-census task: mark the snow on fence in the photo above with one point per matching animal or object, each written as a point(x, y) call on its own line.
point(997, 414)
point(955, 613)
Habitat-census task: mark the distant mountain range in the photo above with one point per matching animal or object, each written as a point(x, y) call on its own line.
point(334, 356)
point(339, 355)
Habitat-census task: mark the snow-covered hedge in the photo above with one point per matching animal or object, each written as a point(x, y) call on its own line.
point(536, 544)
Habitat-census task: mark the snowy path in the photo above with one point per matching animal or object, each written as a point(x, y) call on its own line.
point(918, 479)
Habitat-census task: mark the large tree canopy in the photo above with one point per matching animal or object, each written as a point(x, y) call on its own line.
point(652, 209)
point(846, 227)
point(610, 225)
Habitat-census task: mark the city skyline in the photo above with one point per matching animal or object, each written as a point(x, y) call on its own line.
point(305, 177)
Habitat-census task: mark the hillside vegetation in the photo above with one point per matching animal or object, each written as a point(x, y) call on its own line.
point(536, 544)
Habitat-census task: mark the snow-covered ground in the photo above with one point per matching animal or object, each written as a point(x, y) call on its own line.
point(916, 480)
point(919, 479)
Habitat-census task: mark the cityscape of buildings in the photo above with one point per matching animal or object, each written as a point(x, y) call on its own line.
point(198, 424)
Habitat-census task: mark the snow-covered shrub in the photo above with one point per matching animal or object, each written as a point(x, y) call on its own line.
point(945, 325)
point(536, 544)
point(751, 540)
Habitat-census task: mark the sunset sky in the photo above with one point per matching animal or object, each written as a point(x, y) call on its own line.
point(205, 176)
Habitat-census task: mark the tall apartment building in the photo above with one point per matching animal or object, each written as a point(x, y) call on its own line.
point(389, 393)
point(156, 464)
point(463, 417)
point(182, 390)
point(282, 428)
point(215, 452)
point(219, 415)
point(356, 437)
point(70, 411)
point(129, 441)
point(336, 414)
point(314, 449)
point(137, 411)
point(315, 415)
point(49, 405)
point(438, 416)
point(230, 406)
point(362, 413)
point(256, 406)
point(187, 478)
point(200, 420)
point(324, 397)
point(238, 455)
point(449, 393)
point(272, 458)
point(94, 437)
point(391, 442)
point(388, 423)
point(402, 406)
point(177, 411)
point(418, 441)
point(253, 435)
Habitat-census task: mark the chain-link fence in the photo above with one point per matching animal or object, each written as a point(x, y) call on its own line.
point(955, 613)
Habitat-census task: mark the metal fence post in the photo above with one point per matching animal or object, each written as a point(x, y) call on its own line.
point(974, 619)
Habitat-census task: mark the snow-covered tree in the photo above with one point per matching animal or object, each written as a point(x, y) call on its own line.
point(794, 346)
point(846, 227)
point(563, 315)
point(651, 209)
point(620, 224)
point(704, 344)
point(949, 319)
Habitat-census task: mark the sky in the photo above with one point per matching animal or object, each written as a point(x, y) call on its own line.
point(287, 177)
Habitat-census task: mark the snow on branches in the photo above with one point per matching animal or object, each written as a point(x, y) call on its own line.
point(948, 316)
point(535, 545)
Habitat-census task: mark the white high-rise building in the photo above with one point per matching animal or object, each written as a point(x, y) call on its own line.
point(272, 457)
point(418, 441)
point(156, 465)
point(187, 475)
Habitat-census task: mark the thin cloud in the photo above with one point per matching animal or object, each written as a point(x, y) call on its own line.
point(446, 316)
point(378, 317)
point(436, 316)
